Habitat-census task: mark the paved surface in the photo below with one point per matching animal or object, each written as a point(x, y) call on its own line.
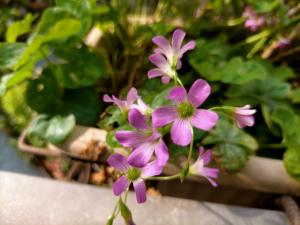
point(11, 161)
point(28, 200)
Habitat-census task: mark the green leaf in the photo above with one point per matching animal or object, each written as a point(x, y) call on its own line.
point(291, 161)
point(59, 128)
point(113, 118)
point(260, 91)
point(80, 9)
point(289, 122)
point(237, 71)
point(19, 28)
point(84, 103)
point(55, 129)
point(125, 212)
point(232, 157)
point(265, 6)
point(60, 32)
point(43, 94)
point(295, 95)
point(10, 54)
point(232, 145)
point(14, 105)
point(81, 68)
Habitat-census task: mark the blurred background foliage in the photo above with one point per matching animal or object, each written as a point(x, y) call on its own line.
point(58, 58)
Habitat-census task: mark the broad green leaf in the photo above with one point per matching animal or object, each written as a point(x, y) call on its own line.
point(43, 94)
point(232, 157)
point(289, 122)
point(237, 71)
point(59, 128)
point(80, 9)
point(81, 68)
point(84, 103)
point(59, 32)
point(232, 145)
point(233, 135)
point(260, 91)
point(10, 54)
point(265, 6)
point(14, 105)
point(49, 18)
point(19, 28)
point(54, 129)
point(291, 161)
point(295, 95)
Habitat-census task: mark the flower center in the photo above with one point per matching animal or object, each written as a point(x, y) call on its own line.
point(133, 173)
point(185, 110)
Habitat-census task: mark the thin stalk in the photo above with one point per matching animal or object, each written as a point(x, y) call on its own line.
point(191, 149)
point(172, 177)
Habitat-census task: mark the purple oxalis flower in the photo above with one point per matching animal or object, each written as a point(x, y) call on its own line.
point(124, 105)
point(199, 167)
point(185, 114)
point(132, 174)
point(244, 116)
point(253, 22)
point(167, 56)
point(144, 141)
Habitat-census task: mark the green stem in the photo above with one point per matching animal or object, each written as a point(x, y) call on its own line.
point(191, 149)
point(126, 194)
point(172, 177)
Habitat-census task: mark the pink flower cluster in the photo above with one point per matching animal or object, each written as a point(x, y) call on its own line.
point(149, 152)
point(253, 21)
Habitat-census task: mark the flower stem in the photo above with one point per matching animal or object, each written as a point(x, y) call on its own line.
point(191, 149)
point(172, 177)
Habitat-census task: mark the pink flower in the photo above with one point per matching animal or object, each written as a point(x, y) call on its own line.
point(167, 56)
point(283, 42)
point(253, 22)
point(199, 167)
point(144, 141)
point(244, 116)
point(184, 114)
point(124, 105)
point(132, 174)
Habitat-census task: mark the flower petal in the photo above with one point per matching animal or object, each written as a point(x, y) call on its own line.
point(177, 39)
point(177, 94)
point(137, 119)
point(120, 185)
point(118, 161)
point(151, 169)
point(141, 155)
point(140, 190)
point(161, 152)
point(243, 121)
point(132, 96)
point(159, 61)
point(205, 155)
point(181, 132)
point(155, 73)
point(163, 43)
point(188, 46)
point(179, 64)
point(106, 98)
point(130, 139)
point(165, 79)
point(204, 119)
point(210, 173)
point(163, 116)
point(199, 92)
